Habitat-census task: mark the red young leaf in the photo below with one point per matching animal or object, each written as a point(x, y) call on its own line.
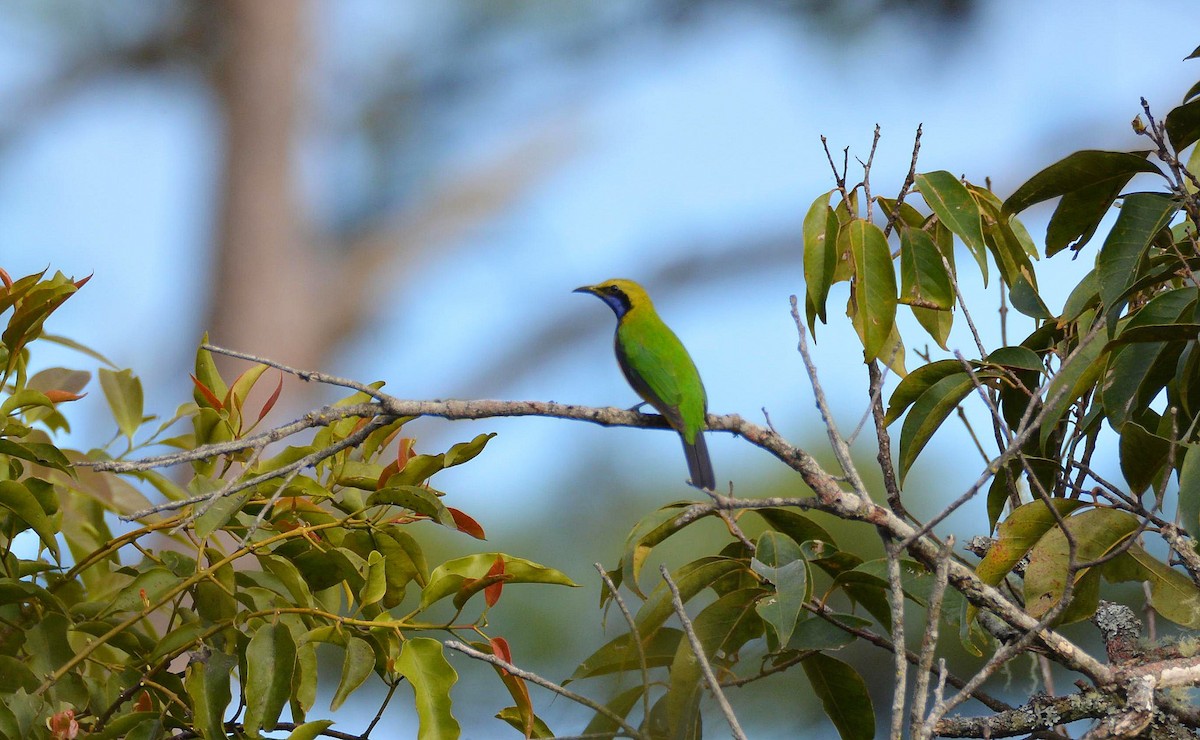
point(143, 702)
point(491, 594)
point(501, 650)
point(6, 279)
point(464, 523)
point(208, 394)
point(388, 471)
point(63, 725)
point(515, 685)
point(270, 404)
point(80, 283)
point(57, 396)
point(404, 451)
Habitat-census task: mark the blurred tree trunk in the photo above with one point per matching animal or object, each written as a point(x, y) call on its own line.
point(264, 300)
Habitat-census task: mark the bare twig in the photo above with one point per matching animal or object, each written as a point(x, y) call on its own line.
point(544, 683)
point(698, 650)
point(634, 633)
point(899, 664)
point(929, 640)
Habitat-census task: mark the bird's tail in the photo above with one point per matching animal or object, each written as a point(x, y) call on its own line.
point(699, 463)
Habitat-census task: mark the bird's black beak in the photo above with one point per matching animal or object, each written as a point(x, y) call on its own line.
point(585, 289)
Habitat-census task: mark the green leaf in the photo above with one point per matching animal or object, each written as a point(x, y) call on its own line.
point(1135, 374)
point(1015, 537)
point(621, 705)
point(843, 694)
point(916, 383)
point(650, 531)
point(778, 559)
point(1089, 182)
point(1172, 594)
point(415, 498)
point(1073, 379)
point(1016, 358)
point(819, 634)
point(691, 579)
point(375, 580)
point(1096, 532)
point(466, 451)
point(270, 661)
point(207, 684)
point(955, 208)
point(124, 393)
point(24, 506)
point(924, 281)
point(797, 526)
point(620, 654)
point(452, 575)
point(1183, 125)
point(1189, 490)
point(37, 452)
point(1025, 298)
point(310, 730)
point(207, 374)
point(722, 627)
point(429, 673)
point(820, 252)
point(358, 663)
point(875, 285)
point(928, 413)
point(512, 715)
point(1142, 216)
point(149, 585)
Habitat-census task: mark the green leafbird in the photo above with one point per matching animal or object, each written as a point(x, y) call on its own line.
point(659, 368)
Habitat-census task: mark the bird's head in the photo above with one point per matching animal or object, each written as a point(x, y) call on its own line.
point(620, 295)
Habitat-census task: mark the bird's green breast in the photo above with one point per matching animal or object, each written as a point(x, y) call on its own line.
point(661, 371)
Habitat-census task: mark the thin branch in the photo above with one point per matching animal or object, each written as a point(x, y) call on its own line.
point(545, 684)
point(633, 632)
point(840, 449)
point(930, 639)
point(899, 664)
point(698, 650)
point(907, 186)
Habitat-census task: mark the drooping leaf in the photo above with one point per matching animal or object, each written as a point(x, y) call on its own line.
point(916, 383)
point(875, 285)
point(924, 281)
point(843, 694)
point(955, 208)
point(1088, 181)
point(207, 685)
point(17, 498)
point(431, 676)
point(1096, 532)
point(722, 627)
point(820, 253)
point(1189, 489)
point(357, 665)
point(1172, 594)
point(1142, 216)
point(1076, 375)
point(124, 393)
point(1183, 125)
point(928, 413)
point(270, 661)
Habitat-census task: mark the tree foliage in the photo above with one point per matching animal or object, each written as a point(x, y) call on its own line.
point(202, 617)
